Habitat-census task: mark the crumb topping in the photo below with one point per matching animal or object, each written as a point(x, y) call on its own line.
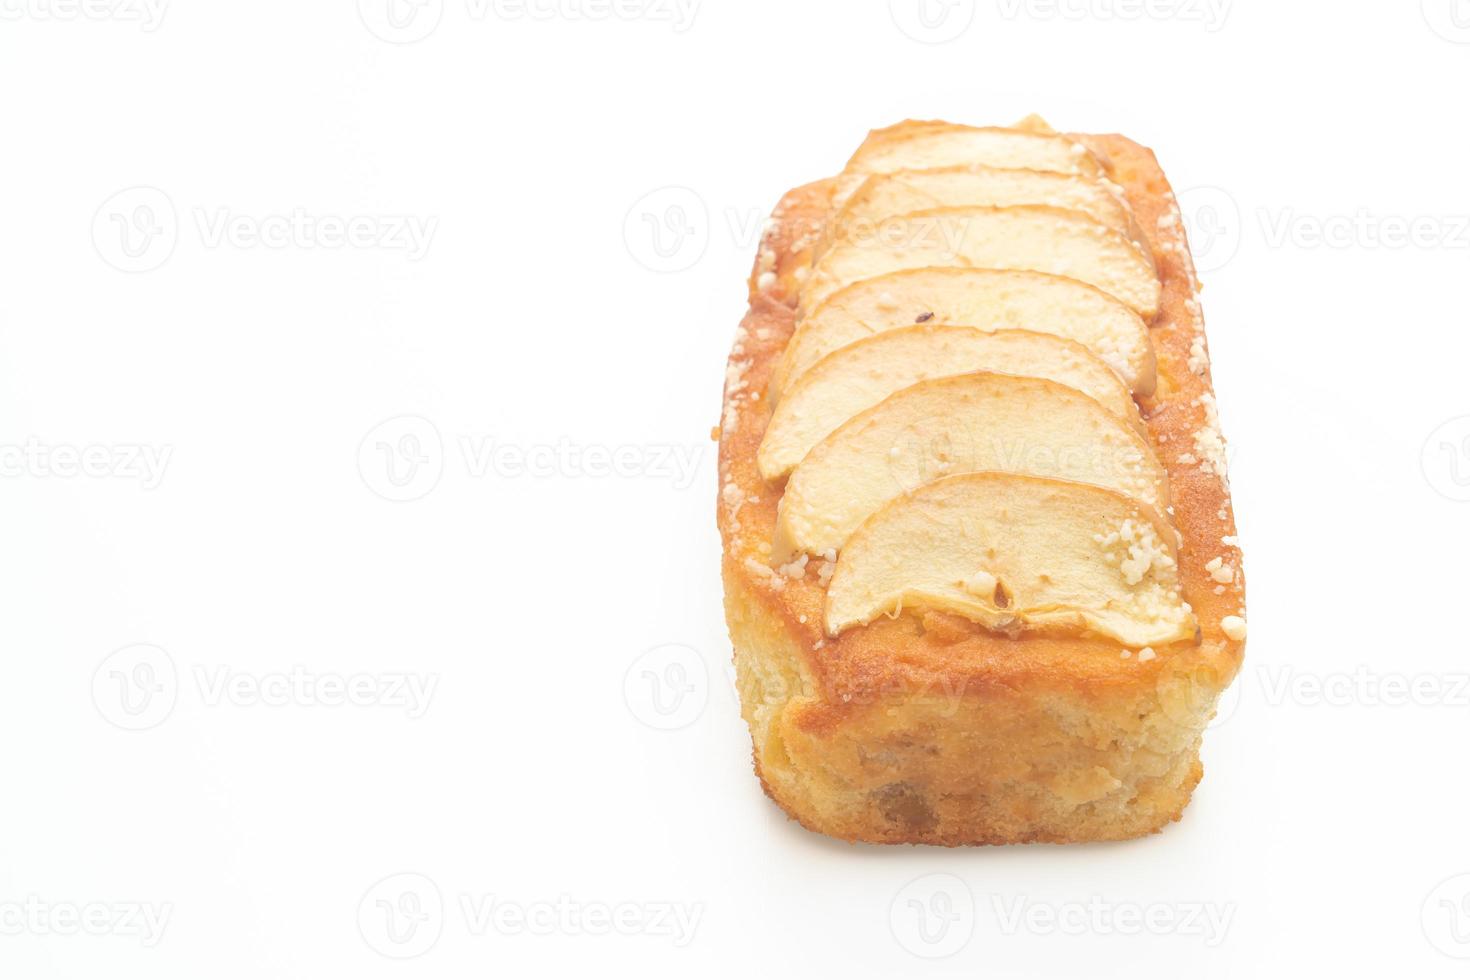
point(1199, 360)
point(1209, 444)
point(1142, 551)
point(1220, 570)
point(796, 568)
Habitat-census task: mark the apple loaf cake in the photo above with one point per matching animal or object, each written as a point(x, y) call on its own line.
point(980, 565)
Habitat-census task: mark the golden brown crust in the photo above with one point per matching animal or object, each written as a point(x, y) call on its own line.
point(843, 701)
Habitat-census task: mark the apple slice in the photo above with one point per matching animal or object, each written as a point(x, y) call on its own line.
point(861, 375)
point(1034, 124)
point(1016, 553)
point(882, 196)
point(984, 298)
point(1034, 237)
point(925, 145)
point(958, 424)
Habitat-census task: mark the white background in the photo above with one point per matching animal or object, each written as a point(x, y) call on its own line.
point(544, 330)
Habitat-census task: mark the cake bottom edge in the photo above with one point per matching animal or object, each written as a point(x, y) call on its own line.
point(1005, 764)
